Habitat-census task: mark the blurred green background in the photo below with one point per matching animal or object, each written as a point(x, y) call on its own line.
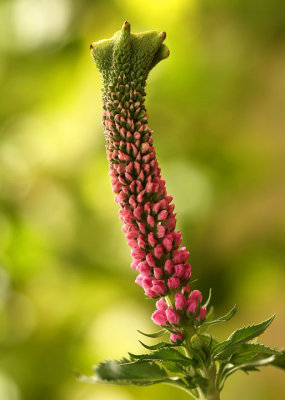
point(67, 297)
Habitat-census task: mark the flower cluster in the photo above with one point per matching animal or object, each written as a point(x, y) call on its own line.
point(185, 304)
point(145, 207)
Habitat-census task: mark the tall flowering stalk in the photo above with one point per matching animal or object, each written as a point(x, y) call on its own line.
point(149, 226)
point(145, 207)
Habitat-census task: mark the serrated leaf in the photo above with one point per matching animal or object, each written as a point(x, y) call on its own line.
point(174, 367)
point(250, 352)
point(241, 336)
point(164, 354)
point(159, 345)
point(225, 318)
point(228, 369)
point(279, 361)
point(154, 335)
point(117, 373)
point(251, 366)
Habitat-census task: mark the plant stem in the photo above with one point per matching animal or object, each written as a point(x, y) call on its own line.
point(212, 391)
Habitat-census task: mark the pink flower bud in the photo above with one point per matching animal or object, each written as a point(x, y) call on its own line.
point(180, 301)
point(160, 231)
point(173, 283)
point(177, 238)
point(147, 282)
point(151, 239)
point(150, 221)
point(158, 287)
point(141, 226)
point(132, 243)
point(138, 211)
point(141, 241)
point(150, 260)
point(158, 251)
point(187, 273)
point(140, 196)
point(170, 222)
point(181, 255)
point(146, 207)
point(161, 304)
point(144, 268)
point(139, 280)
point(162, 215)
point(192, 302)
point(149, 187)
point(172, 316)
point(138, 254)
point(150, 293)
point(159, 317)
point(202, 313)
point(168, 266)
point(134, 264)
point(157, 272)
point(179, 270)
point(167, 243)
point(176, 338)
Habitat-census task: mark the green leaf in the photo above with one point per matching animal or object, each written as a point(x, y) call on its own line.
point(241, 336)
point(164, 354)
point(279, 361)
point(159, 345)
point(225, 318)
point(117, 373)
point(249, 352)
point(154, 335)
point(251, 366)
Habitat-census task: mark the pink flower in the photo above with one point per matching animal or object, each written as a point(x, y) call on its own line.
point(151, 239)
point(192, 302)
point(202, 314)
point(168, 266)
point(187, 272)
point(147, 282)
point(144, 268)
point(159, 317)
point(158, 287)
point(173, 283)
point(150, 221)
point(167, 243)
point(161, 304)
point(139, 280)
point(180, 301)
point(162, 215)
point(181, 255)
point(172, 316)
point(158, 251)
point(160, 231)
point(138, 254)
point(150, 260)
point(176, 338)
point(150, 293)
point(179, 270)
point(157, 272)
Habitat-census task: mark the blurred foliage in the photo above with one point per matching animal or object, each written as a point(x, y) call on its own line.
point(67, 298)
